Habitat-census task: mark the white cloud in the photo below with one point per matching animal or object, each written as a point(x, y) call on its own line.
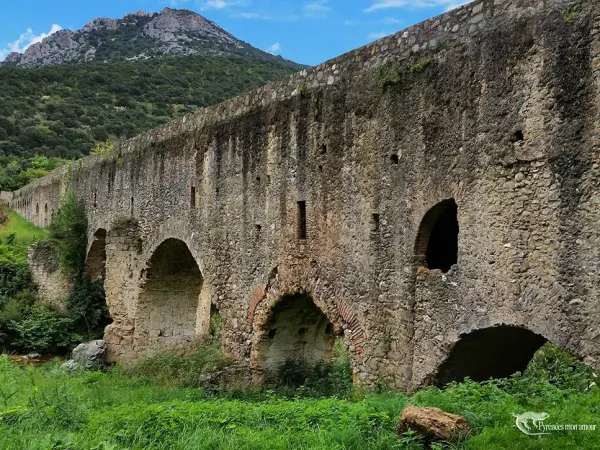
point(317, 9)
point(378, 35)
point(274, 49)
point(267, 17)
point(457, 4)
point(26, 40)
point(373, 23)
point(221, 4)
point(387, 4)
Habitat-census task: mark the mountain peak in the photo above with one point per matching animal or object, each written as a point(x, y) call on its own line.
point(136, 35)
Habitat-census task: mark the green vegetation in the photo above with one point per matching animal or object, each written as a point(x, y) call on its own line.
point(67, 233)
point(24, 232)
point(420, 64)
point(56, 113)
point(393, 75)
point(388, 76)
point(16, 290)
point(45, 408)
point(16, 172)
point(571, 14)
point(26, 326)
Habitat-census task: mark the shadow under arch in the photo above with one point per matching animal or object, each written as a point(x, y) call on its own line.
point(297, 330)
point(436, 246)
point(169, 295)
point(495, 352)
point(95, 261)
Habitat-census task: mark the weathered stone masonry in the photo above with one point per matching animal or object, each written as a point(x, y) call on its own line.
point(489, 111)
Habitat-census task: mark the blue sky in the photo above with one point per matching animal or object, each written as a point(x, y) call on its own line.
point(306, 31)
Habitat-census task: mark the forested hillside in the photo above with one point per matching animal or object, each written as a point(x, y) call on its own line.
point(114, 78)
point(64, 111)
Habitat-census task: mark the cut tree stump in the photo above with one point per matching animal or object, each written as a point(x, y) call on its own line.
point(432, 423)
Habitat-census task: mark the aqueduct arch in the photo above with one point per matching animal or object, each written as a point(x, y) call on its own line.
point(95, 263)
point(296, 330)
point(169, 297)
point(495, 352)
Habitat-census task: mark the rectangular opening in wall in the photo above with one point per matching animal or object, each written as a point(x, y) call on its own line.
point(302, 220)
point(375, 222)
point(193, 197)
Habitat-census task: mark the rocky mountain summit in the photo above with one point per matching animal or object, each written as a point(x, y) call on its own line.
point(139, 35)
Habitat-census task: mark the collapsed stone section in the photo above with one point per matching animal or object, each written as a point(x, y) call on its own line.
point(496, 352)
point(169, 296)
point(297, 331)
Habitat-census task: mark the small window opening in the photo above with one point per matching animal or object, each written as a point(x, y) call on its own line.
point(323, 149)
point(320, 168)
point(438, 236)
point(302, 220)
point(518, 136)
point(394, 158)
point(37, 208)
point(95, 199)
point(131, 207)
point(193, 197)
point(258, 179)
point(375, 222)
point(258, 228)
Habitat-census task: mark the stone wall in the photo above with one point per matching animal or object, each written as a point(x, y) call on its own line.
point(492, 105)
point(52, 284)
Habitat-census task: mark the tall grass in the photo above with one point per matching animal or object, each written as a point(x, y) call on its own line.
point(45, 408)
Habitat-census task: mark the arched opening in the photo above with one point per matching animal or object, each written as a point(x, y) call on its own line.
point(297, 331)
point(95, 263)
point(169, 295)
point(437, 240)
point(496, 352)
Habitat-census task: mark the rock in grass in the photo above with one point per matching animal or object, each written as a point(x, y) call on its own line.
point(433, 423)
point(90, 355)
point(70, 366)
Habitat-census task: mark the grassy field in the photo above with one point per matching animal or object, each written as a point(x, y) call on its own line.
point(25, 232)
point(45, 408)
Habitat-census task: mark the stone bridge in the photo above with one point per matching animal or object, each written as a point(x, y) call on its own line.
point(432, 198)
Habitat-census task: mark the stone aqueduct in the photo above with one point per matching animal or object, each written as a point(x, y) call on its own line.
point(432, 197)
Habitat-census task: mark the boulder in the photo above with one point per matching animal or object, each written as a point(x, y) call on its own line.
point(433, 423)
point(90, 355)
point(70, 366)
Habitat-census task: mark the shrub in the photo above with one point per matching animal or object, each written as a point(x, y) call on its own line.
point(3, 214)
point(559, 368)
point(68, 233)
point(323, 379)
point(42, 330)
point(86, 303)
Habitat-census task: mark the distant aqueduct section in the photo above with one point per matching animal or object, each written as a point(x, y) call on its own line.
point(432, 197)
